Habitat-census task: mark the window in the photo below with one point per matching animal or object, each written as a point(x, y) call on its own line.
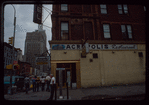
point(144, 8)
point(103, 9)
point(64, 30)
point(140, 54)
point(106, 30)
point(64, 7)
point(95, 55)
point(126, 31)
point(122, 9)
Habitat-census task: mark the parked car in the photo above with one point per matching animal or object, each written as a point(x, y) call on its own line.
point(16, 81)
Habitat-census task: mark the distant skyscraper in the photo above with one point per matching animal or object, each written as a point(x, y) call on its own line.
point(35, 44)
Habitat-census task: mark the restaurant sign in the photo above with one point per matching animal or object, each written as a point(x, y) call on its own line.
point(94, 46)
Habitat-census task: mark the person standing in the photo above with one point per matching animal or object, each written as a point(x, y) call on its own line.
point(34, 83)
point(42, 79)
point(53, 86)
point(38, 82)
point(48, 78)
point(27, 81)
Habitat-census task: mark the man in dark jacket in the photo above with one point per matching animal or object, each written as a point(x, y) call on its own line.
point(27, 81)
point(34, 83)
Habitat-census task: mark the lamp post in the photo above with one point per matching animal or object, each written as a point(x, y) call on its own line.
point(13, 48)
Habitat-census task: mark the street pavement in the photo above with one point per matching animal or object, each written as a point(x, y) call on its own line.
point(111, 92)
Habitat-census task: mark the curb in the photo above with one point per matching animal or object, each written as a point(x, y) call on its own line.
point(106, 97)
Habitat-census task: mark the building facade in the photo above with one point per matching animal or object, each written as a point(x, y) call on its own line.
point(19, 55)
point(35, 44)
point(116, 44)
point(25, 69)
point(8, 54)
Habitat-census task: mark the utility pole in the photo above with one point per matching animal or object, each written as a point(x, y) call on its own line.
point(13, 49)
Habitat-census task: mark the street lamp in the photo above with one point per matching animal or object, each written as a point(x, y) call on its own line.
point(13, 48)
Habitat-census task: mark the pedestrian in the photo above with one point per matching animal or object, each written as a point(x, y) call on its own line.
point(38, 83)
point(27, 81)
point(42, 79)
point(53, 86)
point(48, 78)
point(34, 83)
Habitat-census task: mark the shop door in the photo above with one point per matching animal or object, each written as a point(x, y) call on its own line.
point(69, 74)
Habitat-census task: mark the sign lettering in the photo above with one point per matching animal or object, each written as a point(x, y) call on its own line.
point(94, 46)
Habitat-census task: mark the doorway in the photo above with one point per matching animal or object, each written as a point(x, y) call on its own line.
point(69, 74)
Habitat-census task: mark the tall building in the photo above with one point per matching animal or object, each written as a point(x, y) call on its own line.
point(35, 44)
point(116, 44)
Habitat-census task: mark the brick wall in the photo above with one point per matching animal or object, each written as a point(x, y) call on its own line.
point(91, 13)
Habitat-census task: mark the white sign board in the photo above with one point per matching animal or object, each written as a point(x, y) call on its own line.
point(60, 68)
point(94, 46)
point(42, 60)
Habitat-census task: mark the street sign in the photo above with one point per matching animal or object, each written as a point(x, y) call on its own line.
point(9, 66)
point(41, 63)
point(60, 68)
point(37, 18)
point(42, 60)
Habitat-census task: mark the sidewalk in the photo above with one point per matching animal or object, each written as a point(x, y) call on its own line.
point(82, 94)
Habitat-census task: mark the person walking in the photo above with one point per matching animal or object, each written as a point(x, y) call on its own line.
point(42, 79)
point(34, 83)
point(38, 83)
point(27, 81)
point(53, 86)
point(48, 78)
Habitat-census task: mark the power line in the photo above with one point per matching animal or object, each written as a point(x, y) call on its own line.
point(46, 8)
point(46, 17)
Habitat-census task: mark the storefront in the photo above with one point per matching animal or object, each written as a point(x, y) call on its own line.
point(105, 64)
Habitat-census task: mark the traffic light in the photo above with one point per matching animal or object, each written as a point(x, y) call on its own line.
point(10, 40)
point(15, 67)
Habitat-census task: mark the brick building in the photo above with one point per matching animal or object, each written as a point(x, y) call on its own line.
point(116, 37)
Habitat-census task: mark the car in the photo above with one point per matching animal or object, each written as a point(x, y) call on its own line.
point(16, 81)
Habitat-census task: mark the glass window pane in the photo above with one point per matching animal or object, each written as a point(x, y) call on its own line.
point(123, 28)
point(119, 6)
point(125, 7)
point(64, 26)
point(105, 26)
point(129, 28)
point(144, 8)
point(125, 12)
point(106, 35)
point(130, 35)
point(120, 12)
point(64, 34)
point(64, 7)
point(102, 6)
point(103, 11)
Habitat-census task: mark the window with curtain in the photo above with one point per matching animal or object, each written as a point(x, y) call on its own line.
point(64, 31)
point(106, 30)
point(122, 9)
point(103, 9)
point(64, 7)
point(126, 31)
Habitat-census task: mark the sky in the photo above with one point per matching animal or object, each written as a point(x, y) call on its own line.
point(24, 23)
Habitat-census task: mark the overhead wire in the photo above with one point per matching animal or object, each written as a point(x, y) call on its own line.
point(47, 16)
